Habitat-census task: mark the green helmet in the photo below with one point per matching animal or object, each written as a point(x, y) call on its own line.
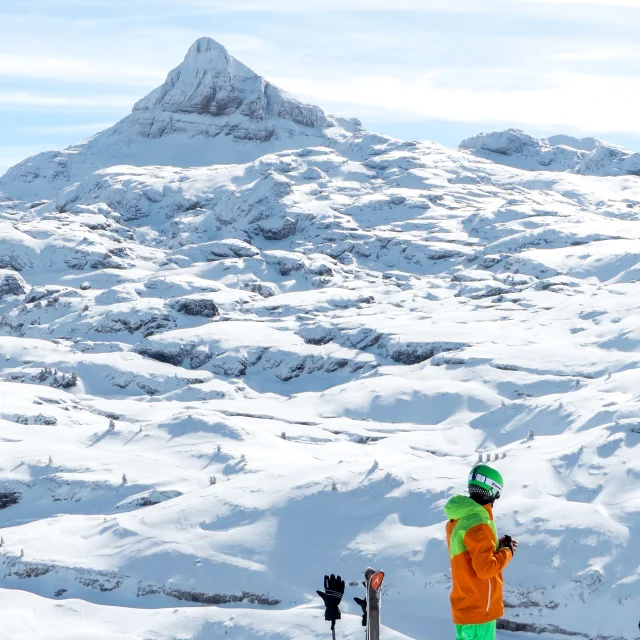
point(486, 480)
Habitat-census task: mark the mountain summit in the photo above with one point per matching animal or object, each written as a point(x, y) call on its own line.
point(212, 82)
point(212, 109)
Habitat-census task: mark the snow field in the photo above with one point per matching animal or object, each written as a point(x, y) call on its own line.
point(221, 381)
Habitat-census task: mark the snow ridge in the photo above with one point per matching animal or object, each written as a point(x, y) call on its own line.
point(586, 156)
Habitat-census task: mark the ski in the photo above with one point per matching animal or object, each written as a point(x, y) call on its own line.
point(373, 582)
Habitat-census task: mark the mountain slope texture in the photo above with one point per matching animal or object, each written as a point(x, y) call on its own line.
point(246, 344)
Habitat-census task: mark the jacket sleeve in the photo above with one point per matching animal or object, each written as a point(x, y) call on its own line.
point(486, 561)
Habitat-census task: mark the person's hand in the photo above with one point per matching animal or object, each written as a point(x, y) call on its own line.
point(507, 542)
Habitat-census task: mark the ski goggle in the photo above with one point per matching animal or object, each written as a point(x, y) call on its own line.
point(477, 476)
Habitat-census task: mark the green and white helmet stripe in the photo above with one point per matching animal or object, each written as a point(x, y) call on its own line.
point(486, 477)
point(488, 481)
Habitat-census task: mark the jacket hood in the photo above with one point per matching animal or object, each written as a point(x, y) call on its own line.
point(461, 506)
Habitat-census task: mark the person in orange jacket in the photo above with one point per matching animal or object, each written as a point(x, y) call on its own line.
point(477, 556)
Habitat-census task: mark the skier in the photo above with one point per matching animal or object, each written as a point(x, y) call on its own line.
point(477, 556)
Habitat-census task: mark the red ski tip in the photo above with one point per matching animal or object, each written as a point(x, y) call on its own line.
point(376, 580)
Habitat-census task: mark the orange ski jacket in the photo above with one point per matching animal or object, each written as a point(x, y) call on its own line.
point(476, 562)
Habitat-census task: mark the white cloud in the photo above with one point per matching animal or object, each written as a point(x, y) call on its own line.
point(604, 3)
point(26, 99)
point(595, 53)
point(76, 70)
point(242, 42)
point(277, 6)
point(454, 6)
point(576, 100)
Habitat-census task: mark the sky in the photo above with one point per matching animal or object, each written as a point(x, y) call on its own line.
point(441, 70)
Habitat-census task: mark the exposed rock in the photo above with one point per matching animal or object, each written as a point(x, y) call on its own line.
point(264, 289)
point(229, 248)
point(38, 419)
point(166, 355)
point(286, 262)
point(207, 598)
point(40, 293)
point(26, 570)
point(148, 499)
point(409, 352)
point(9, 498)
point(278, 228)
point(195, 306)
point(102, 582)
point(147, 324)
point(532, 627)
point(12, 284)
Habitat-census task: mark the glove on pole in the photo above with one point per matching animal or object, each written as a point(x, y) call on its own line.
point(332, 596)
point(362, 602)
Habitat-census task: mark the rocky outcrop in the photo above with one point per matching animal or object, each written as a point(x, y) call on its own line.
point(207, 598)
point(195, 306)
point(532, 627)
point(9, 498)
point(12, 284)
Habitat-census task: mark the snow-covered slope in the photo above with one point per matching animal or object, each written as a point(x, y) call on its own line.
point(221, 382)
point(586, 156)
point(211, 109)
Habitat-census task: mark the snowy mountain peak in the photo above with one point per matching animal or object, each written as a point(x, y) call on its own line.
point(212, 82)
point(207, 45)
point(211, 109)
point(208, 53)
point(587, 156)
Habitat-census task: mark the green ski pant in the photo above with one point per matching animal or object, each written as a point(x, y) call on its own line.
point(486, 631)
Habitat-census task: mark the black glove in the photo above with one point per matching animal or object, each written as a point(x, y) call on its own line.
point(363, 603)
point(507, 542)
point(332, 596)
